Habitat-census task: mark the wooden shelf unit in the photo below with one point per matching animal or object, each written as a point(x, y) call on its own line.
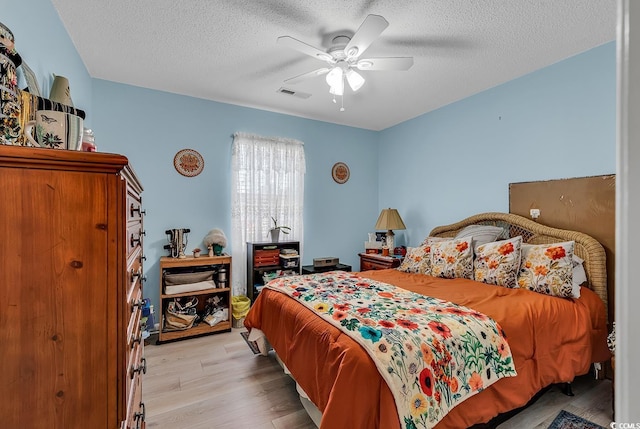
point(203, 328)
point(256, 271)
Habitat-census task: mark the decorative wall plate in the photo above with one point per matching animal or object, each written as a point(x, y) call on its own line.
point(188, 162)
point(340, 172)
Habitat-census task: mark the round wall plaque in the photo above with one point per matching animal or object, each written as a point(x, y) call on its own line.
point(340, 172)
point(188, 162)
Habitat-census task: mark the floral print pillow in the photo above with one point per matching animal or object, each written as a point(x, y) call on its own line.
point(547, 268)
point(498, 263)
point(417, 260)
point(452, 259)
point(430, 240)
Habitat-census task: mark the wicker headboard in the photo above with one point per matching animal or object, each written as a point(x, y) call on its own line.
point(586, 247)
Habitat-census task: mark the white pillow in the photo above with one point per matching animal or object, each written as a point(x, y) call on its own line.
point(579, 276)
point(481, 234)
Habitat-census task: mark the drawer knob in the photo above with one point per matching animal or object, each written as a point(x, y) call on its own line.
point(140, 369)
point(139, 417)
point(133, 240)
point(133, 209)
point(139, 304)
point(136, 340)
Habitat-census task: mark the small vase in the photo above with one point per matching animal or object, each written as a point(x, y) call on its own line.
point(275, 235)
point(196, 254)
point(217, 249)
point(210, 251)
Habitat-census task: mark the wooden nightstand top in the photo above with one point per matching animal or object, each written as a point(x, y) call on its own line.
point(374, 261)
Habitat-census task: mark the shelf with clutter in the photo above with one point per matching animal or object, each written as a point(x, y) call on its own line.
point(195, 290)
point(267, 260)
point(30, 119)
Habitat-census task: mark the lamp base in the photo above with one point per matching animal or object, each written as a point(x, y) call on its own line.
point(389, 241)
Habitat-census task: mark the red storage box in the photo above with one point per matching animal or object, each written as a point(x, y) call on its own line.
point(266, 257)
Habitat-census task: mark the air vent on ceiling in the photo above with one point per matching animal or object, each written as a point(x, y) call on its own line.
point(291, 92)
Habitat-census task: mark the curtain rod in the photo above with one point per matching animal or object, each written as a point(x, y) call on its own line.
point(271, 139)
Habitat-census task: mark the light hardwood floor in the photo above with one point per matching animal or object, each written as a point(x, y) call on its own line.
point(216, 382)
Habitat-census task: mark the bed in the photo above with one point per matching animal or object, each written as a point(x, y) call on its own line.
point(552, 339)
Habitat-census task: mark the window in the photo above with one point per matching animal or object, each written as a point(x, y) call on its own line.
point(267, 182)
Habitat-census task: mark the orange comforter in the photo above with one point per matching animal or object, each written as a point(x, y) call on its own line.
point(551, 339)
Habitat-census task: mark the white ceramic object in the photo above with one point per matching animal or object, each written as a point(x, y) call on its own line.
point(55, 130)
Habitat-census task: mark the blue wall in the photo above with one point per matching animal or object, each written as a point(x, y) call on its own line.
point(557, 122)
point(43, 44)
point(149, 127)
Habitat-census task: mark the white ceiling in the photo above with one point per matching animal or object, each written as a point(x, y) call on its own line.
point(226, 50)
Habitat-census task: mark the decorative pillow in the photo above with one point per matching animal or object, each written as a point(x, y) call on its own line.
point(430, 240)
point(482, 234)
point(452, 259)
point(498, 263)
point(547, 268)
point(417, 260)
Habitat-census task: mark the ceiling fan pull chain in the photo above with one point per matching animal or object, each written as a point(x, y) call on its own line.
point(342, 103)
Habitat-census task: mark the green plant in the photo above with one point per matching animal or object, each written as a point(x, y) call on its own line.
point(284, 229)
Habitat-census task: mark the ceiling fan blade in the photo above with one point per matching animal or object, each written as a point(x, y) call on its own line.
point(312, 51)
point(308, 75)
point(369, 31)
point(392, 63)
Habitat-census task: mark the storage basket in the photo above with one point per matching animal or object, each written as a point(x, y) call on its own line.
point(289, 261)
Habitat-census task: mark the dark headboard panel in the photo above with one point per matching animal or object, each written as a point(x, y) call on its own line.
point(585, 204)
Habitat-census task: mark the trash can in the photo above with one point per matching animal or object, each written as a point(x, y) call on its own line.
point(240, 307)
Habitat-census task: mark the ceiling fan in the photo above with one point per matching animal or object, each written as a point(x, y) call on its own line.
point(344, 57)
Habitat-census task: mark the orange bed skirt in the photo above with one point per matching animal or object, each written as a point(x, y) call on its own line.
point(552, 341)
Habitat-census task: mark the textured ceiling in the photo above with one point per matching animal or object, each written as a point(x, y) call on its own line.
point(226, 50)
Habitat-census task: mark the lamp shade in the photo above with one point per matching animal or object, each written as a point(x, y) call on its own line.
point(390, 219)
point(355, 80)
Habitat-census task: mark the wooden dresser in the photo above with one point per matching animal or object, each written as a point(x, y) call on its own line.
point(71, 350)
point(372, 261)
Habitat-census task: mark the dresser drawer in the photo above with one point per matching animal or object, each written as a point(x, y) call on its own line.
point(137, 365)
point(135, 309)
point(134, 273)
point(134, 237)
point(134, 206)
point(136, 413)
point(370, 265)
point(377, 262)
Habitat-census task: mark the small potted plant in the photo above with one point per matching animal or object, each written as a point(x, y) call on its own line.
point(196, 252)
point(275, 231)
point(215, 240)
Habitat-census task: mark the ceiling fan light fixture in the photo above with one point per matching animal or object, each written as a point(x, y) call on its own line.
point(355, 80)
point(334, 77)
point(337, 89)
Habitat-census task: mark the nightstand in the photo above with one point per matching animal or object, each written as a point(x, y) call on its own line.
point(310, 269)
point(374, 261)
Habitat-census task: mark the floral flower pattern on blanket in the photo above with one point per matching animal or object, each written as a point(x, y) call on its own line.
point(433, 354)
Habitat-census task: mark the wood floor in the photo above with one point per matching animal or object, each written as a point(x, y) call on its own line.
point(216, 382)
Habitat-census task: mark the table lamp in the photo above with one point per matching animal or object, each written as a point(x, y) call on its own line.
point(390, 219)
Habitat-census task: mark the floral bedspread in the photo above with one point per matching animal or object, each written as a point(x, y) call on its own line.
point(433, 354)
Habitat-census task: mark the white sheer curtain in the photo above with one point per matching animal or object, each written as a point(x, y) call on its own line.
point(267, 181)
